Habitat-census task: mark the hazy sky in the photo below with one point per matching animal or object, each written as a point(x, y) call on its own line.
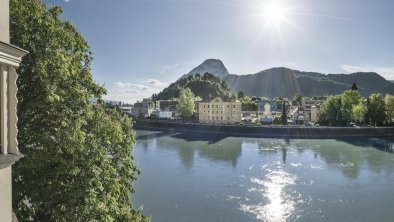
point(141, 46)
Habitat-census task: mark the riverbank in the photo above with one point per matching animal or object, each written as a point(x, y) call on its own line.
point(267, 131)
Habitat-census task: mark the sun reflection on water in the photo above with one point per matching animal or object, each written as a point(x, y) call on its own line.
point(281, 204)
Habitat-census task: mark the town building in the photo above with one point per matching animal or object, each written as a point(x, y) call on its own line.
point(166, 109)
point(10, 58)
point(126, 109)
point(219, 111)
point(267, 110)
point(299, 116)
point(315, 114)
point(142, 109)
point(308, 103)
point(169, 105)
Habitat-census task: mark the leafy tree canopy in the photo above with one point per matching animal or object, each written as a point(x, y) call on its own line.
point(389, 101)
point(206, 86)
point(186, 106)
point(77, 164)
point(354, 87)
point(376, 110)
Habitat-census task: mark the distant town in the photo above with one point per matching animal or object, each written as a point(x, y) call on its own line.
point(244, 110)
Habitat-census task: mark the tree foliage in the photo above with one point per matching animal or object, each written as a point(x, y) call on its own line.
point(330, 110)
point(240, 95)
point(284, 112)
point(354, 87)
point(247, 104)
point(298, 98)
point(186, 106)
point(205, 86)
point(343, 108)
point(376, 110)
point(389, 101)
point(78, 164)
point(358, 113)
point(350, 99)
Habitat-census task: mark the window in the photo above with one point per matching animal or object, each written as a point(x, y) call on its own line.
point(208, 106)
point(228, 106)
point(228, 118)
point(204, 106)
point(217, 112)
point(217, 106)
point(221, 118)
point(234, 106)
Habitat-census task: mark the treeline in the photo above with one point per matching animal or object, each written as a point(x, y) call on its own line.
point(203, 86)
point(78, 163)
point(351, 108)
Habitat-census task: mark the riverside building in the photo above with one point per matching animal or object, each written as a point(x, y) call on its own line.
point(219, 111)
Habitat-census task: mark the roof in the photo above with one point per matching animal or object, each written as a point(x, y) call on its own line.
point(221, 99)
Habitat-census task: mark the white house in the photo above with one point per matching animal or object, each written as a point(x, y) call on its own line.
point(126, 109)
point(165, 114)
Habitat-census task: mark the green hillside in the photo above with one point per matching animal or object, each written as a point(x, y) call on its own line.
point(283, 82)
point(204, 86)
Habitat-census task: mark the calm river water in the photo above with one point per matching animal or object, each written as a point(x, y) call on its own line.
point(190, 177)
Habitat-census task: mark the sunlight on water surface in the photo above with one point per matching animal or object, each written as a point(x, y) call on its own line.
point(280, 203)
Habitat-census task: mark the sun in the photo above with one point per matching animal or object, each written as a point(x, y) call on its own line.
point(274, 12)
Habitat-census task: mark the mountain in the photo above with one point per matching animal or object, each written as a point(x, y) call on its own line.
point(276, 82)
point(284, 82)
point(204, 86)
point(214, 66)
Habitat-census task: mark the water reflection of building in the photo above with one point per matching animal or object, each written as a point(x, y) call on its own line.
point(212, 147)
point(348, 155)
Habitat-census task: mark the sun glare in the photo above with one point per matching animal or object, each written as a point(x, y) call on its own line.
point(274, 12)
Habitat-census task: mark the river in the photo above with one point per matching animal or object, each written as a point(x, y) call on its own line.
point(208, 177)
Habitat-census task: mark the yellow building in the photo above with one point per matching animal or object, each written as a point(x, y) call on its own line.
point(218, 111)
point(315, 114)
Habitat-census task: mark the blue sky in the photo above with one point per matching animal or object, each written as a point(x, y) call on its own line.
point(139, 47)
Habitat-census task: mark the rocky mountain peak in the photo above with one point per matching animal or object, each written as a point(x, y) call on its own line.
point(213, 66)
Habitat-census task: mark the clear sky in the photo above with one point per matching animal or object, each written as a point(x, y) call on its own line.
point(141, 46)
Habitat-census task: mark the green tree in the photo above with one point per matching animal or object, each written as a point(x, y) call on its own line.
point(298, 98)
point(376, 109)
point(241, 95)
point(358, 113)
point(340, 109)
point(330, 110)
point(276, 121)
point(186, 106)
point(349, 99)
point(284, 113)
point(78, 164)
point(249, 105)
point(389, 101)
point(354, 87)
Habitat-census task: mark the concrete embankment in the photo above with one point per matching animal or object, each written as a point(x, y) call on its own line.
point(269, 131)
